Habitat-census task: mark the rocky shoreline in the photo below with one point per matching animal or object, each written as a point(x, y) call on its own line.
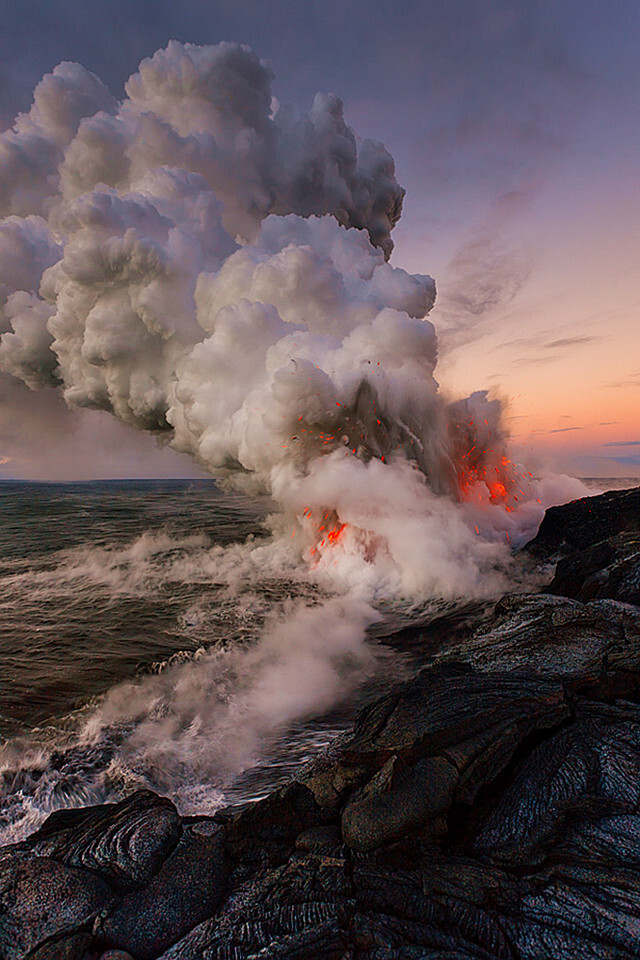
point(487, 808)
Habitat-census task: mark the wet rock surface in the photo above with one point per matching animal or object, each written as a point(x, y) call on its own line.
point(487, 808)
point(41, 900)
point(546, 635)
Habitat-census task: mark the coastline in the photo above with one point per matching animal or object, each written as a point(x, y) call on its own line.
point(486, 808)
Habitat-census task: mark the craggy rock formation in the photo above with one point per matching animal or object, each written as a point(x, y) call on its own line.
point(542, 635)
point(582, 523)
point(488, 808)
point(610, 568)
point(598, 542)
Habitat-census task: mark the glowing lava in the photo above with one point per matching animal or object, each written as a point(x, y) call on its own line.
point(322, 528)
point(500, 483)
point(334, 535)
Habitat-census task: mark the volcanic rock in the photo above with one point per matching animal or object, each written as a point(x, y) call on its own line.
point(607, 569)
point(580, 524)
point(125, 843)
point(596, 542)
point(187, 889)
point(74, 947)
point(41, 900)
point(470, 814)
point(487, 809)
point(552, 636)
point(440, 749)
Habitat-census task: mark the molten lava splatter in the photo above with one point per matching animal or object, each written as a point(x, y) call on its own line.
point(322, 528)
point(484, 474)
point(334, 535)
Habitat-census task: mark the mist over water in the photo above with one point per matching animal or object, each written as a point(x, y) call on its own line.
point(137, 653)
point(209, 268)
point(159, 635)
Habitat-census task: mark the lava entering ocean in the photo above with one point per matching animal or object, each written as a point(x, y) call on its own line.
point(218, 274)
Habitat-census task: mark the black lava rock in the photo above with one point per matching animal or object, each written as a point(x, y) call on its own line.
point(487, 809)
point(582, 523)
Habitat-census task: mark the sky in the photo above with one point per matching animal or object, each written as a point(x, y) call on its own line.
point(514, 128)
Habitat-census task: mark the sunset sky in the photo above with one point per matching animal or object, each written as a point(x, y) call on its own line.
point(514, 126)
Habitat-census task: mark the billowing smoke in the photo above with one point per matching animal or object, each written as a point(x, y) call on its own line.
point(216, 271)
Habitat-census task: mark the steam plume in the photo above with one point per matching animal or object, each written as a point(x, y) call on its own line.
point(215, 271)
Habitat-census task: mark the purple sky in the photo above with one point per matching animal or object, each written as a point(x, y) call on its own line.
point(514, 126)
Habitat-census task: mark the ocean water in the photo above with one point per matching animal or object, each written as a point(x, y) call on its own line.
point(75, 617)
point(141, 622)
point(151, 637)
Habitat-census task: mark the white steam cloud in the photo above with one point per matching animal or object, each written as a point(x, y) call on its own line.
point(216, 271)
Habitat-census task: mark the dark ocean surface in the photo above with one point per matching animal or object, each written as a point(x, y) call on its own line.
point(126, 638)
point(69, 629)
point(120, 612)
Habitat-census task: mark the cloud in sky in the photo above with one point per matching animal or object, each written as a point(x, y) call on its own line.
point(565, 342)
point(484, 275)
point(632, 460)
point(620, 384)
point(540, 342)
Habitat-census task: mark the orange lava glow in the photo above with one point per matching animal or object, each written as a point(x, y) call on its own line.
point(481, 472)
point(334, 535)
point(322, 528)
